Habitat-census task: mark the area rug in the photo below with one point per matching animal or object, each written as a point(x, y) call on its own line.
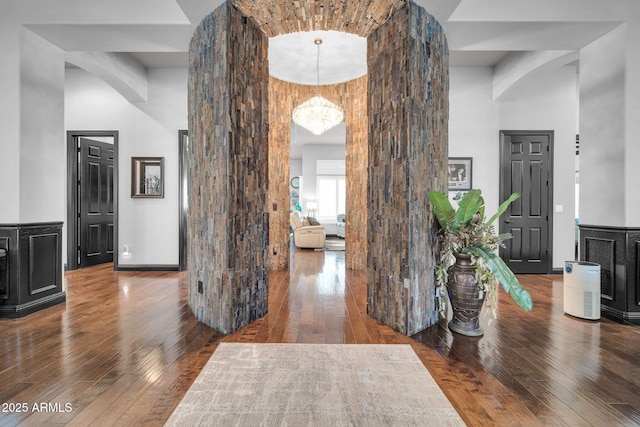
point(332, 245)
point(314, 385)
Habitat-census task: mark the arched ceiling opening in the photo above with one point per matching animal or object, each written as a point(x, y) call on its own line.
point(293, 56)
point(291, 28)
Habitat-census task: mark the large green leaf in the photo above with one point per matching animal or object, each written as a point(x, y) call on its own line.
point(505, 236)
point(468, 206)
point(505, 276)
point(441, 207)
point(503, 207)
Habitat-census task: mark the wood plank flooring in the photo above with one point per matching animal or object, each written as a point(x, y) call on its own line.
point(125, 348)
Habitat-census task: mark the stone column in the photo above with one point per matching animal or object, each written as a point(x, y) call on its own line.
point(408, 148)
point(228, 169)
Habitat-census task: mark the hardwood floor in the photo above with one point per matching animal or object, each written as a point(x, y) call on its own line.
point(125, 348)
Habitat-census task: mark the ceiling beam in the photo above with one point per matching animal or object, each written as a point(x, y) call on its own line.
point(118, 70)
point(518, 65)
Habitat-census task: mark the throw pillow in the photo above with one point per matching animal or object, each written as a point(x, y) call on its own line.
point(312, 221)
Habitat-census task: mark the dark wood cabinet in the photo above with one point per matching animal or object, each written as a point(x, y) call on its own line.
point(31, 268)
point(617, 250)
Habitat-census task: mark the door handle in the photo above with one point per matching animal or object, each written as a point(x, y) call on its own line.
point(506, 221)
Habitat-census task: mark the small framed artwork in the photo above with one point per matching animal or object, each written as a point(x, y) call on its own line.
point(460, 173)
point(147, 177)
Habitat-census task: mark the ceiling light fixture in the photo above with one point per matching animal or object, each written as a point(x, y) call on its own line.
point(318, 114)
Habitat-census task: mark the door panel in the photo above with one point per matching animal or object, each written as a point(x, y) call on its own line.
point(93, 240)
point(526, 169)
point(110, 187)
point(515, 253)
point(95, 189)
point(535, 245)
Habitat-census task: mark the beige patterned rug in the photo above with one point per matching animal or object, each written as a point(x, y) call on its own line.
point(314, 385)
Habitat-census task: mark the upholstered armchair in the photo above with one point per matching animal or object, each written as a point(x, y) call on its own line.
point(306, 236)
point(340, 225)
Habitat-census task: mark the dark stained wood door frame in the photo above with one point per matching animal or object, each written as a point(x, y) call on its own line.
point(183, 208)
point(72, 195)
point(503, 155)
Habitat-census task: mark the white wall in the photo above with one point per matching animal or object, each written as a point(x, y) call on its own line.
point(548, 101)
point(42, 154)
point(543, 102)
point(32, 156)
point(632, 111)
point(149, 227)
point(10, 124)
point(473, 128)
point(296, 167)
point(602, 124)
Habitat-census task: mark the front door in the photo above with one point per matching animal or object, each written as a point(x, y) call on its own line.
point(95, 189)
point(526, 168)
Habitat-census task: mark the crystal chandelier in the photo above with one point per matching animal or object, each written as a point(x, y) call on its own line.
point(318, 114)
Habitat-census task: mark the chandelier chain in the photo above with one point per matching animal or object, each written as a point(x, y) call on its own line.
point(317, 114)
point(318, 42)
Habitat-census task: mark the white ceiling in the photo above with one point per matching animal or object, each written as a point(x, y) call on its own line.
point(294, 57)
point(157, 32)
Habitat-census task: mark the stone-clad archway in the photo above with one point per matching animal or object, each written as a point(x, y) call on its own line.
point(238, 219)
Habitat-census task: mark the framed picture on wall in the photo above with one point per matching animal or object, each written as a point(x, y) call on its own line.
point(460, 173)
point(147, 177)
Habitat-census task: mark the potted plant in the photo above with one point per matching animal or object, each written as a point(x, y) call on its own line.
point(469, 268)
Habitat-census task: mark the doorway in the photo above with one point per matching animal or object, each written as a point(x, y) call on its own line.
point(92, 198)
point(526, 167)
point(183, 198)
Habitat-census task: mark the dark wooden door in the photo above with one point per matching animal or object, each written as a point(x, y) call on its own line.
point(95, 189)
point(526, 159)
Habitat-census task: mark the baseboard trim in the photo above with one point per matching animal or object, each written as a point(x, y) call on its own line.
point(625, 318)
point(128, 267)
point(17, 311)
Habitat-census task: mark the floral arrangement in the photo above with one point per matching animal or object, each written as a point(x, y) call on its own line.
point(464, 230)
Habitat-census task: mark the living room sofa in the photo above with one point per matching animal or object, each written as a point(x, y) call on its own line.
point(304, 235)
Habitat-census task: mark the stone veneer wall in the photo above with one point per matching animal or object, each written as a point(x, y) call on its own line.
point(351, 96)
point(405, 99)
point(356, 167)
point(276, 17)
point(408, 146)
point(228, 169)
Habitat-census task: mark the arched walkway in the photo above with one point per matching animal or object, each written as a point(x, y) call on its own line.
point(239, 218)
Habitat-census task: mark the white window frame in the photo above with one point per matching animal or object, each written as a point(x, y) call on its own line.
point(334, 170)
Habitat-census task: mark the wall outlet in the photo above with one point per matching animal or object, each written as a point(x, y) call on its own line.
point(200, 287)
